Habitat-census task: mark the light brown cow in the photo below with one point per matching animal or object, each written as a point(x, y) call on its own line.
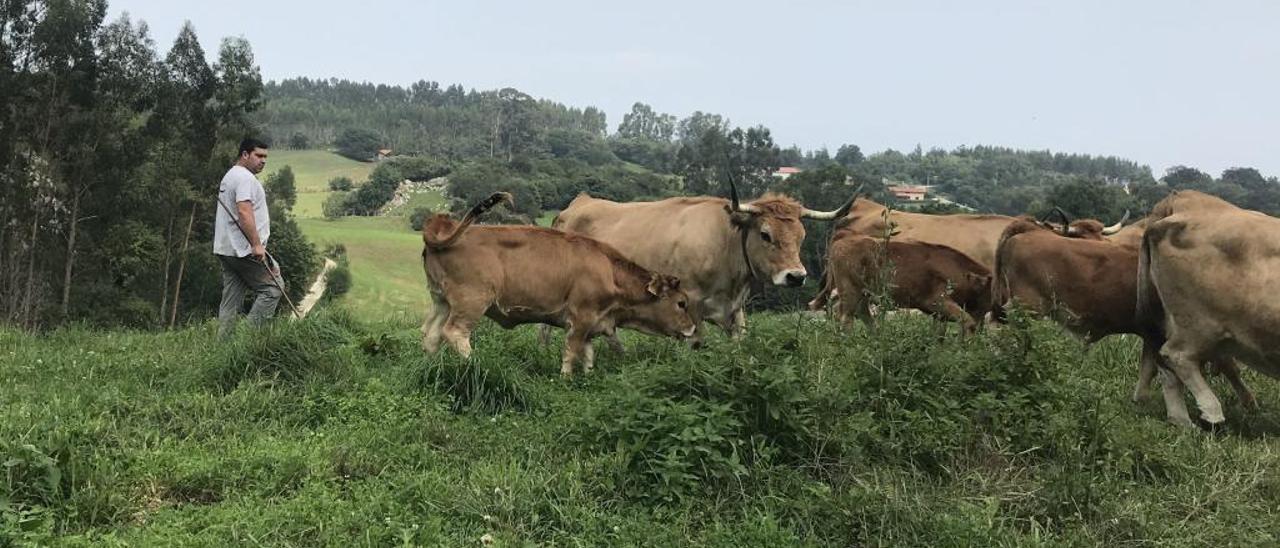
point(932, 278)
point(526, 274)
point(973, 235)
point(1207, 270)
point(717, 247)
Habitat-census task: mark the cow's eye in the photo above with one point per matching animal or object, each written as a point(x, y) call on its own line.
point(766, 237)
point(682, 305)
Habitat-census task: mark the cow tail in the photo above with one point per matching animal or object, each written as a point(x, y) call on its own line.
point(1150, 309)
point(431, 230)
point(1000, 293)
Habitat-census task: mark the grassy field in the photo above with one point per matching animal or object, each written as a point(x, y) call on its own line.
point(312, 170)
point(334, 432)
point(386, 264)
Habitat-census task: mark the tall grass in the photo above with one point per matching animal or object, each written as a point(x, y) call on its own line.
point(332, 431)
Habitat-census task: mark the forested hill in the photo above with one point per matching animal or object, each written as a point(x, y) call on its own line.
point(526, 142)
point(422, 119)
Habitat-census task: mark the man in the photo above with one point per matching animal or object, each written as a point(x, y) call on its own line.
point(244, 260)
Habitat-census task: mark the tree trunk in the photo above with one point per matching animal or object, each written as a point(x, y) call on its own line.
point(164, 287)
point(71, 255)
point(31, 273)
point(182, 267)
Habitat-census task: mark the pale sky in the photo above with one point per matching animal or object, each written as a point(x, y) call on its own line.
point(1161, 82)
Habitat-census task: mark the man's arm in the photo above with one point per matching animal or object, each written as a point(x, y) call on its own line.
point(250, 226)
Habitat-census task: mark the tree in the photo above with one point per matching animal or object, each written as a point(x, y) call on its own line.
point(1089, 199)
point(281, 188)
point(643, 123)
point(1180, 177)
point(1247, 177)
point(358, 144)
point(514, 128)
point(299, 141)
point(849, 155)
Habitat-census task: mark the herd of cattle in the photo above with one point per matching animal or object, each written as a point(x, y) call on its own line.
point(1192, 279)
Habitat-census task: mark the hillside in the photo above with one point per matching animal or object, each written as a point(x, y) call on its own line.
point(336, 432)
point(312, 170)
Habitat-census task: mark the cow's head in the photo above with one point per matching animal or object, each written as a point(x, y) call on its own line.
point(774, 233)
point(1084, 229)
point(662, 309)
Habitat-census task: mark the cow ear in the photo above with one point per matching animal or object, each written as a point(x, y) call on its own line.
point(655, 285)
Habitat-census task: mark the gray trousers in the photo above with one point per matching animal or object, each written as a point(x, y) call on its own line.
point(240, 275)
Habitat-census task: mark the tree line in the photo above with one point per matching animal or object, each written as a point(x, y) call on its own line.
point(110, 157)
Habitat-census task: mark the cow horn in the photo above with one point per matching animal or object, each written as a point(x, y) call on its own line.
point(1116, 227)
point(1066, 219)
point(733, 197)
point(833, 215)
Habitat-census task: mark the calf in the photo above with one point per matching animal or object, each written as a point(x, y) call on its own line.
point(932, 278)
point(526, 274)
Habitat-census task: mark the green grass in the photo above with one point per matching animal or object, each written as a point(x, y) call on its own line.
point(333, 432)
point(313, 169)
point(386, 264)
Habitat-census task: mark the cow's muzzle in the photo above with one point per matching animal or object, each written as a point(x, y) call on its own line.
point(790, 278)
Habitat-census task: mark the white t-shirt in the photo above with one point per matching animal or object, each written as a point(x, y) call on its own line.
point(240, 184)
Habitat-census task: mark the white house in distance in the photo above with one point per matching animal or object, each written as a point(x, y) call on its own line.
point(909, 193)
point(785, 172)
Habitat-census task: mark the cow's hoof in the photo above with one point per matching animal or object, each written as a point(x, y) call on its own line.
point(1214, 428)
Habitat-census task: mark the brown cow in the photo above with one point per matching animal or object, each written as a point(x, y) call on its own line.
point(1207, 270)
point(1089, 286)
point(932, 278)
point(526, 274)
point(949, 230)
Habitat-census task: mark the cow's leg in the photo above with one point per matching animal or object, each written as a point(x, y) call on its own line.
point(1185, 363)
point(574, 341)
point(1175, 408)
point(588, 356)
point(463, 314)
point(615, 344)
point(738, 325)
point(433, 324)
point(1229, 367)
point(1147, 369)
point(544, 334)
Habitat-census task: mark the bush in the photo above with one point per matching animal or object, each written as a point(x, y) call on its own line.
point(340, 184)
point(483, 383)
point(335, 205)
point(419, 217)
point(339, 280)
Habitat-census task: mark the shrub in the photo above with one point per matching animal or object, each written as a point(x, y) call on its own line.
point(419, 217)
point(483, 383)
point(340, 184)
point(336, 205)
point(339, 280)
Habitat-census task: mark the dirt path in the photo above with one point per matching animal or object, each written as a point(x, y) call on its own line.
point(317, 288)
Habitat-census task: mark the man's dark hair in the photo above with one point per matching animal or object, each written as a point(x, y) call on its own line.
point(249, 144)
